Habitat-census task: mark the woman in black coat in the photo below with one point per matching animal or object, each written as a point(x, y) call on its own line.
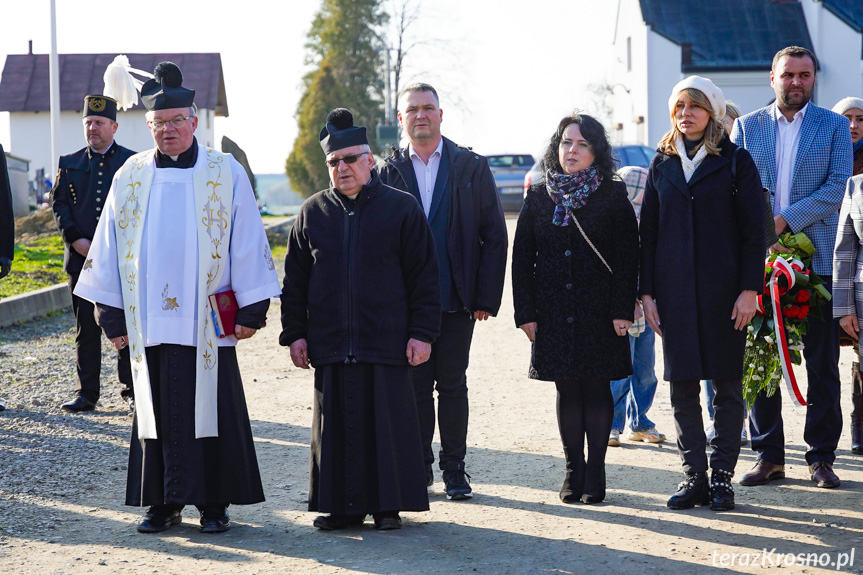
point(702, 265)
point(574, 275)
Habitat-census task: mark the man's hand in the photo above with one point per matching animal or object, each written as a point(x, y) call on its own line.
point(777, 247)
point(5, 267)
point(744, 309)
point(119, 342)
point(418, 351)
point(243, 332)
point(850, 325)
point(651, 314)
point(529, 330)
point(780, 224)
point(300, 353)
point(481, 315)
point(82, 246)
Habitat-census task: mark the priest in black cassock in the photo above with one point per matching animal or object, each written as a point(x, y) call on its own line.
point(181, 224)
point(361, 303)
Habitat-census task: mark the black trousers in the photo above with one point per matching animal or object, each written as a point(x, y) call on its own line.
point(823, 415)
point(88, 349)
point(729, 410)
point(445, 371)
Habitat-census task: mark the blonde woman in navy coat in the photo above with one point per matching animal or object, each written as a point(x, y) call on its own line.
point(702, 265)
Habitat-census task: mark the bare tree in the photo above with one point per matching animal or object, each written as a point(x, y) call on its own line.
point(403, 14)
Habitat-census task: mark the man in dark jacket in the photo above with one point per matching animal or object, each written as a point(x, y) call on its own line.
point(7, 225)
point(457, 192)
point(77, 198)
point(361, 303)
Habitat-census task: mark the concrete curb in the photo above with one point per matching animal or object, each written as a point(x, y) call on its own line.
point(37, 303)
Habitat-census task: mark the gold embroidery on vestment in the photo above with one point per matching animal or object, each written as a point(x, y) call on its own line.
point(168, 303)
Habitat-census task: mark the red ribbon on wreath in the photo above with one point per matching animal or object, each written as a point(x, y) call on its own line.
point(781, 268)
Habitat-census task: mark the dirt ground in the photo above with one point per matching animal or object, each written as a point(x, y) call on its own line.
point(514, 524)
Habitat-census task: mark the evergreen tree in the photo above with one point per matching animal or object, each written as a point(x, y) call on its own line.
point(341, 47)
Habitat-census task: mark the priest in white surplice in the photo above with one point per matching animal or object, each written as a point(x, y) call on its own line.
point(180, 224)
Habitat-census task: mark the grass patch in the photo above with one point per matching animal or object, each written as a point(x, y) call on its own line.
point(279, 251)
point(37, 264)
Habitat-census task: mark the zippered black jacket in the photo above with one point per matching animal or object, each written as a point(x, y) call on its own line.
point(361, 278)
point(476, 235)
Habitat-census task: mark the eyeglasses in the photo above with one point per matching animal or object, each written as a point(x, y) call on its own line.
point(175, 123)
point(347, 159)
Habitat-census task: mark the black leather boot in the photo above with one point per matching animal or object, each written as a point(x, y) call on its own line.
point(573, 483)
point(691, 491)
point(857, 412)
point(721, 491)
point(594, 483)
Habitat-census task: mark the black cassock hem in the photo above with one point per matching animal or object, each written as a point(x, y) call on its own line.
point(366, 452)
point(176, 468)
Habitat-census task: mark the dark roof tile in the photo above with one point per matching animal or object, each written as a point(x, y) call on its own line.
point(24, 86)
point(745, 38)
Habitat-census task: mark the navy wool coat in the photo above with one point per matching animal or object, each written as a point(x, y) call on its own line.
point(562, 285)
point(702, 243)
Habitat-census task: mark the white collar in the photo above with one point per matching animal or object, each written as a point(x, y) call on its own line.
point(777, 114)
point(439, 150)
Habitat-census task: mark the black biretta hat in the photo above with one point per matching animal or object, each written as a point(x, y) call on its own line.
point(340, 131)
point(165, 90)
point(98, 105)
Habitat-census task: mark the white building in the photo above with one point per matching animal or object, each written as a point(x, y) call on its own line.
point(24, 94)
point(659, 42)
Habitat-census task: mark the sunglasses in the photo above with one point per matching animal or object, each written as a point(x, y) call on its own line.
point(347, 159)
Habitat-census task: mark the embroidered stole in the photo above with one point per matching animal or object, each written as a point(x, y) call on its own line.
point(214, 195)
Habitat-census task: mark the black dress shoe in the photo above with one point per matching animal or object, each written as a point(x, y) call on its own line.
point(214, 519)
point(80, 403)
point(589, 499)
point(159, 518)
point(2, 405)
point(721, 491)
point(333, 522)
point(387, 521)
point(691, 491)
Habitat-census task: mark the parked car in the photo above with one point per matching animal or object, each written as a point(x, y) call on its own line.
point(509, 172)
point(625, 154)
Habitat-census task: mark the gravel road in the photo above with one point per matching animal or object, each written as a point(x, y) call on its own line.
point(62, 481)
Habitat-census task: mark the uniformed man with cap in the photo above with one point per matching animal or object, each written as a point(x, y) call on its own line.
point(181, 226)
point(361, 303)
point(77, 199)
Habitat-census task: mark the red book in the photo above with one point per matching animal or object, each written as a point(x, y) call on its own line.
point(224, 309)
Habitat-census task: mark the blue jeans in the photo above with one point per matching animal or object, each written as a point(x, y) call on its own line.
point(709, 394)
point(633, 396)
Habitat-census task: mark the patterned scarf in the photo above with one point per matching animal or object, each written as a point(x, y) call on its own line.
point(570, 191)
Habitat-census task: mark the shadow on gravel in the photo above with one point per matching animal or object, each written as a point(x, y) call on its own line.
point(54, 324)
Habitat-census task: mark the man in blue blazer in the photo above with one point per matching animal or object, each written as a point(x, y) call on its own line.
point(803, 153)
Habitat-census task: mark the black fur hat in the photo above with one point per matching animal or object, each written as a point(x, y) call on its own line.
point(166, 90)
point(340, 132)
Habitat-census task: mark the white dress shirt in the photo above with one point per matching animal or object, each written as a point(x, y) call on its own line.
point(426, 173)
point(787, 139)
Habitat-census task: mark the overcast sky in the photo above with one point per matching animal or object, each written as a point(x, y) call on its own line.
point(506, 70)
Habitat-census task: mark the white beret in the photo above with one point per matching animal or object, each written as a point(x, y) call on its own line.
point(706, 87)
point(846, 104)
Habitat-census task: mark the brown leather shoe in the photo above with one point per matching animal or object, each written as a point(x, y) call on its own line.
point(762, 473)
point(822, 474)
